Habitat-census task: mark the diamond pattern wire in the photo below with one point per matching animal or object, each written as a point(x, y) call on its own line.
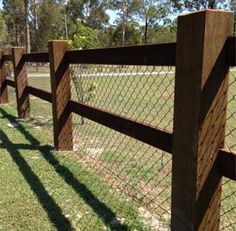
point(136, 171)
point(40, 110)
point(228, 206)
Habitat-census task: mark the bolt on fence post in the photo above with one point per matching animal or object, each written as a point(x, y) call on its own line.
point(3, 85)
point(20, 75)
point(201, 86)
point(61, 94)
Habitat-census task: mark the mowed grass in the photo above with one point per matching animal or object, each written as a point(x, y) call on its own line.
point(45, 190)
point(144, 173)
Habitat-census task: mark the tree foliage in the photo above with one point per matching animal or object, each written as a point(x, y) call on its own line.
point(13, 11)
point(133, 35)
point(49, 25)
point(91, 12)
point(83, 37)
point(3, 32)
point(201, 4)
point(150, 12)
point(136, 21)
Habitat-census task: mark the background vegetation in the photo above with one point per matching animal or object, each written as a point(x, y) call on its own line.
point(94, 23)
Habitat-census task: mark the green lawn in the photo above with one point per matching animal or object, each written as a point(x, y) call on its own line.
point(45, 190)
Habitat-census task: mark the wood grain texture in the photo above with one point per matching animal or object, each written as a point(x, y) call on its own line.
point(3, 85)
point(20, 75)
point(61, 94)
point(199, 118)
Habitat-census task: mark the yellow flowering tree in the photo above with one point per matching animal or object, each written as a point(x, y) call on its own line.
point(83, 38)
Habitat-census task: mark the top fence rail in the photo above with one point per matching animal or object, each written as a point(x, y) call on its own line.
point(148, 55)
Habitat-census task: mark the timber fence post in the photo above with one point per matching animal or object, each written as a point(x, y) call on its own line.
point(61, 94)
point(3, 85)
point(20, 75)
point(199, 119)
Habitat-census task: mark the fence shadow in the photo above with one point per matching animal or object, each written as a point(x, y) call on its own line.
point(49, 205)
point(104, 212)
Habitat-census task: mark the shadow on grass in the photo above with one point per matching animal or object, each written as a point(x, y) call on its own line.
point(49, 205)
point(104, 212)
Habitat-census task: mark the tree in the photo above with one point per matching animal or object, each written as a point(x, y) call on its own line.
point(91, 12)
point(74, 9)
point(149, 12)
point(193, 5)
point(13, 11)
point(233, 8)
point(133, 35)
point(163, 33)
point(125, 11)
point(97, 17)
point(27, 32)
point(3, 32)
point(49, 24)
point(83, 38)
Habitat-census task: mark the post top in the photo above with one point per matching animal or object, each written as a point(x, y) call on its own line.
point(18, 47)
point(62, 41)
point(206, 11)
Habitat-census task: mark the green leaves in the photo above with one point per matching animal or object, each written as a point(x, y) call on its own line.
point(83, 37)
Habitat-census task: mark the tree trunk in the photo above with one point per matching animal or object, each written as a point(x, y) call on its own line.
point(146, 31)
point(124, 17)
point(27, 33)
point(123, 34)
point(16, 35)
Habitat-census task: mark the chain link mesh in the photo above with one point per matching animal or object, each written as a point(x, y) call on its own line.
point(228, 206)
point(8, 69)
point(40, 111)
point(137, 171)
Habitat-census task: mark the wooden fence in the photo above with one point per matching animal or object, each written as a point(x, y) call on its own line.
point(204, 51)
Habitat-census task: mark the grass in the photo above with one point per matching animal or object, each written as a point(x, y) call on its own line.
point(135, 171)
point(44, 190)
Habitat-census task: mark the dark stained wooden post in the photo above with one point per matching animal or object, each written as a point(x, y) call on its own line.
point(3, 85)
point(20, 75)
point(61, 94)
point(199, 119)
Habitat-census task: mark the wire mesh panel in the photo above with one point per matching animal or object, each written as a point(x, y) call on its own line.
point(39, 76)
point(136, 92)
point(228, 210)
point(41, 111)
point(138, 172)
point(8, 69)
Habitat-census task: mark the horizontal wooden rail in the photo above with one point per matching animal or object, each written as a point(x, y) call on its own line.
point(36, 57)
point(44, 95)
point(158, 54)
point(158, 138)
point(7, 58)
point(227, 164)
point(10, 83)
point(231, 51)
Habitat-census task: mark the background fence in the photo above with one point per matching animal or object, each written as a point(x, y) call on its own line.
point(122, 101)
